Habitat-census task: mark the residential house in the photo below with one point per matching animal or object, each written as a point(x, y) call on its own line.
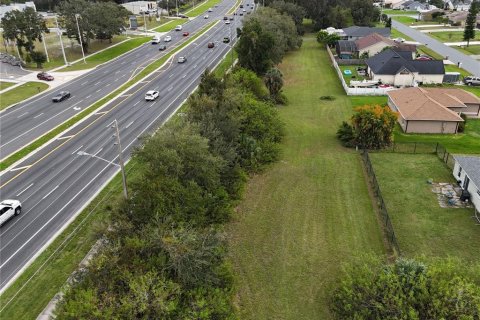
point(346, 49)
point(16, 6)
point(458, 18)
point(467, 172)
point(398, 68)
point(354, 33)
point(414, 6)
point(139, 7)
point(375, 43)
point(393, 4)
point(432, 110)
point(457, 5)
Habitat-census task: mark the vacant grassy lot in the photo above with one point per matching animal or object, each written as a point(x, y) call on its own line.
point(451, 36)
point(422, 227)
point(468, 142)
point(472, 49)
point(310, 212)
point(21, 93)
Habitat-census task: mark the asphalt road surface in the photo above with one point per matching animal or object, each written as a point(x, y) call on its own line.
point(28, 121)
point(55, 183)
point(468, 63)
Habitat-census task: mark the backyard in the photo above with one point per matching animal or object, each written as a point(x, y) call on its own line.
point(352, 74)
point(421, 226)
point(310, 212)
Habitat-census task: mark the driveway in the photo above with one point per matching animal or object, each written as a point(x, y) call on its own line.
point(468, 63)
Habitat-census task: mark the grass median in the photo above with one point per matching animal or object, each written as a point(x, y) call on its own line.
point(46, 276)
point(4, 85)
point(169, 26)
point(202, 8)
point(20, 93)
point(64, 126)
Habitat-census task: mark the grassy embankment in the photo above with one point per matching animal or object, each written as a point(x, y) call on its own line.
point(310, 212)
point(21, 93)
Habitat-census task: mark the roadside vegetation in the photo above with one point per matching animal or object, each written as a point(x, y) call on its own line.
point(452, 36)
point(169, 26)
point(4, 85)
point(21, 93)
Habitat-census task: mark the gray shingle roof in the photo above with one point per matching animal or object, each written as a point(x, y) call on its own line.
point(391, 62)
point(356, 31)
point(471, 166)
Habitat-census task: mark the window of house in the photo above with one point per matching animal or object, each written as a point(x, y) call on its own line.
point(459, 171)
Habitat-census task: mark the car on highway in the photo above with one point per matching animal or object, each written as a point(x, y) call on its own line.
point(156, 39)
point(8, 209)
point(186, 34)
point(178, 28)
point(227, 22)
point(225, 18)
point(167, 39)
point(162, 47)
point(205, 16)
point(244, 10)
point(151, 95)
point(44, 76)
point(240, 14)
point(62, 95)
point(211, 45)
point(471, 81)
point(210, 9)
point(241, 6)
point(231, 18)
point(182, 59)
point(226, 40)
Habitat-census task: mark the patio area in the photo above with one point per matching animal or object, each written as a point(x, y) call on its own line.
point(448, 195)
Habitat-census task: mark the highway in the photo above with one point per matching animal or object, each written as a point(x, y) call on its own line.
point(28, 121)
point(55, 183)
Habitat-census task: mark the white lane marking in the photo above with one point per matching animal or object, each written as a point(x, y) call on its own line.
point(126, 95)
point(128, 125)
point(98, 90)
point(170, 89)
point(108, 84)
point(75, 152)
point(194, 66)
point(73, 105)
point(170, 76)
point(22, 115)
point(123, 62)
point(96, 84)
point(38, 115)
point(84, 83)
point(101, 112)
point(99, 150)
point(136, 103)
point(18, 195)
point(77, 108)
point(65, 137)
point(72, 97)
point(184, 76)
point(20, 168)
point(50, 192)
point(88, 96)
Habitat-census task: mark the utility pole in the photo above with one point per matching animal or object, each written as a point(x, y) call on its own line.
point(120, 159)
point(80, 37)
point(45, 46)
point(59, 32)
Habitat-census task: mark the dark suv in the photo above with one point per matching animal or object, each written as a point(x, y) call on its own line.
point(62, 95)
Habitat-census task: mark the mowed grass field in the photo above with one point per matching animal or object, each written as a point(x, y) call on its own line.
point(308, 213)
point(422, 227)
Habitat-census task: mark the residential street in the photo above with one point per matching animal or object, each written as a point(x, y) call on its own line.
point(468, 63)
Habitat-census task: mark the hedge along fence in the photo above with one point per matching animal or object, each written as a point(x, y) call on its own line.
point(97, 105)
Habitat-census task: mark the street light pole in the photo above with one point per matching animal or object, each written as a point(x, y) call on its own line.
point(80, 37)
point(144, 23)
point(59, 32)
point(45, 46)
point(120, 159)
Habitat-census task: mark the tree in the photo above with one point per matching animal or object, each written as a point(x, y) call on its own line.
point(326, 38)
point(340, 17)
point(364, 13)
point(469, 32)
point(274, 81)
point(24, 27)
point(254, 47)
point(38, 57)
point(407, 289)
point(388, 24)
point(296, 12)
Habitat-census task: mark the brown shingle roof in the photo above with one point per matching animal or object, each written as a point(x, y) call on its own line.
point(372, 39)
point(430, 103)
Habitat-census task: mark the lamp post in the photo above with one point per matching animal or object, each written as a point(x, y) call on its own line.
point(120, 158)
point(59, 32)
point(45, 46)
point(80, 37)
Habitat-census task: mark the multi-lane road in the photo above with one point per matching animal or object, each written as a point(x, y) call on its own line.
point(55, 183)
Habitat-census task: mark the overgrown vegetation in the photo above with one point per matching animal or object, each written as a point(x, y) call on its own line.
point(164, 257)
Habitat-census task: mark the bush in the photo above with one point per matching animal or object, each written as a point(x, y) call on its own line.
point(461, 125)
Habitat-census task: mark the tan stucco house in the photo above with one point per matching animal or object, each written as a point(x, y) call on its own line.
point(398, 68)
point(432, 110)
point(375, 43)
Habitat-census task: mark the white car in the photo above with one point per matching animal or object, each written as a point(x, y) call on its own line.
point(152, 95)
point(167, 39)
point(210, 9)
point(227, 21)
point(182, 59)
point(178, 28)
point(156, 39)
point(8, 209)
point(205, 16)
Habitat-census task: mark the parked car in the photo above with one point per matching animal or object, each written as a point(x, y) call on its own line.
point(424, 58)
point(162, 47)
point(226, 40)
point(211, 45)
point(151, 95)
point(178, 28)
point(167, 39)
point(8, 209)
point(182, 59)
point(180, 15)
point(44, 76)
point(62, 95)
point(186, 34)
point(472, 81)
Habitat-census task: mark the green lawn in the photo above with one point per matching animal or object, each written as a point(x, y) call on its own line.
point(451, 36)
point(310, 212)
point(5, 85)
point(21, 93)
point(397, 34)
point(399, 12)
point(473, 49)
point(426, 50)
point(368, 100)
point(169, 26)
point(108, 54)
point(152, 22)
point(411, 21)
point(468, 142)
point(422, 227)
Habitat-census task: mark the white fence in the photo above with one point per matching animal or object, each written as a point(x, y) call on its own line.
point(356, 91)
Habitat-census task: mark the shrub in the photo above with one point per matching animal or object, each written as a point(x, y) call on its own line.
point(461, 125)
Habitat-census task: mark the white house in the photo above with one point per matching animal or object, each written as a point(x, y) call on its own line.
point(16, 6)
point(467, 173)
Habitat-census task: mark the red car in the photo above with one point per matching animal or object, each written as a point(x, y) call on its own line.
point(44, 76)
point(186, 34)
point(211, 45)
